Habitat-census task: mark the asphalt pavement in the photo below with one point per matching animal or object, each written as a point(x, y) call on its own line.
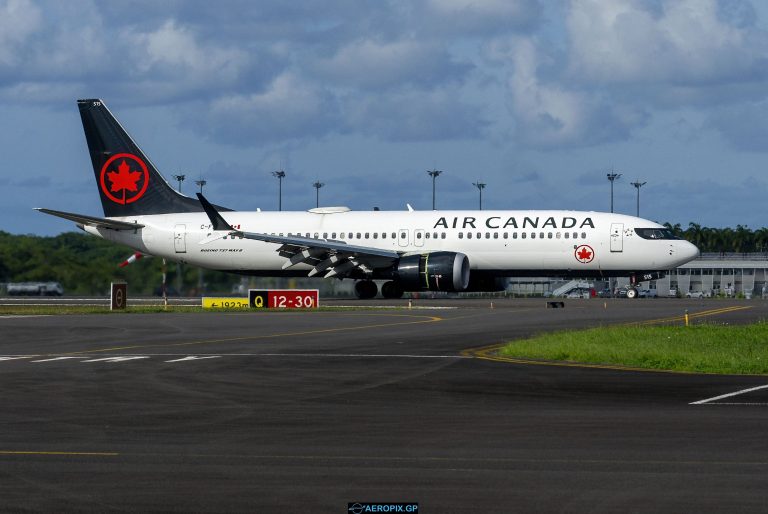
point(310, 411)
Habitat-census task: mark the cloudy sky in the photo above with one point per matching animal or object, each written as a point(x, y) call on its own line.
point(537, 99)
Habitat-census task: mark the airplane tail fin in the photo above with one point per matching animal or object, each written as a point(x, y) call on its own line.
point(128, 182)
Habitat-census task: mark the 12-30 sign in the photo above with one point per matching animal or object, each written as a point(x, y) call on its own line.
point(283, 298)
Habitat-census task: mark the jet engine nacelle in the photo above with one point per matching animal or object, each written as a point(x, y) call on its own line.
point(435, 271)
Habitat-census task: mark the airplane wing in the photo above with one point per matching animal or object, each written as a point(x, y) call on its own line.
point(334, 258)
point(93, 221)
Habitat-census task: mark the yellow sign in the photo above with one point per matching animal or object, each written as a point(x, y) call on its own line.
point(225, 303)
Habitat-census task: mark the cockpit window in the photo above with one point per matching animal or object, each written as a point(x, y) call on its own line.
point(656, 233)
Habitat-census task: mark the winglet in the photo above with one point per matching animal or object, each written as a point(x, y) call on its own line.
point(217, 222)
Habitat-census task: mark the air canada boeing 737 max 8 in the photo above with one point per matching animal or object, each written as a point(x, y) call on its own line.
point(410, 250)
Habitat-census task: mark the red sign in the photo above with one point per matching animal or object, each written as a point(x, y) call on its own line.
point(283, 298)
point(584, 254)
point(128, 178)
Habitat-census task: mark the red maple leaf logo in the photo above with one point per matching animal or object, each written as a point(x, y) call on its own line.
point(584, 254)
point(124, 179)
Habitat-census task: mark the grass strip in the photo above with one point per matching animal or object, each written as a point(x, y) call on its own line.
point(725, 349)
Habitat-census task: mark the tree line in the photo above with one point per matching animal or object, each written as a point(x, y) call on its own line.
point(84, 264)
point(742, 239)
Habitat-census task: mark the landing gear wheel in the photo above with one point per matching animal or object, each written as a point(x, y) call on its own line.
point(392, 290)
point(366, 289)
point(631, 292)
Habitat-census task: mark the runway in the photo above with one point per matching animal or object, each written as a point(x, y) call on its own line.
point(306, 412)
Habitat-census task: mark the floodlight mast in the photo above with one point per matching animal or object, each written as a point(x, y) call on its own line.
point(317, 186)
point(480, 186)
point(201, 183)
point(638, 185)
point(280, 174)
point(612, 176)
point(434, 174)
point(180, 178)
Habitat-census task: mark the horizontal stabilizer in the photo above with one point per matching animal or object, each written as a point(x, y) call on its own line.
point(92, 221)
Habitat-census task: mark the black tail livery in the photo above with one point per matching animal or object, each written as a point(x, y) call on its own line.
point(128, 182)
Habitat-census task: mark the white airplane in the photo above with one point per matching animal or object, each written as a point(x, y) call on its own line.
point(410, 250)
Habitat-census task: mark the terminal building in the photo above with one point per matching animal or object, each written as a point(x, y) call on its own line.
point(726, 274)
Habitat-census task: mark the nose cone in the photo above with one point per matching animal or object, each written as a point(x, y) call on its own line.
point(686, 252)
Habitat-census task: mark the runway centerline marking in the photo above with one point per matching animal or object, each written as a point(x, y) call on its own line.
point(729, 395)
point(423, 319)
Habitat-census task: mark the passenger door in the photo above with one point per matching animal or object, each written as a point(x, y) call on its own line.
point(617, 237)
point(180, 238)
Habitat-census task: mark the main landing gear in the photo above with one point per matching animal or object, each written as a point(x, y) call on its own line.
point(631, 292)
point(367, 289)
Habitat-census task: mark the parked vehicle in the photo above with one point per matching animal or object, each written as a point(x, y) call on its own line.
point(35, 289)
point(696, 294)
point(605, 293)
point(648, 293)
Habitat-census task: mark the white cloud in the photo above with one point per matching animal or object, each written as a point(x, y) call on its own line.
point(19, 20)
point(174, 52)
point(289, 108)
point(548, 114)
point(681, 42)
point(373, 64)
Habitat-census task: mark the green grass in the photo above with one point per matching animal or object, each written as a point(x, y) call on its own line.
point(722, 349)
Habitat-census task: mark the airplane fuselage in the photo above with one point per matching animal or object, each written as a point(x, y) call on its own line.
point(502, 243)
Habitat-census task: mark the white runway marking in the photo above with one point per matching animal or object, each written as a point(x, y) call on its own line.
point(56, 359)
point(117, 359)
point(194, 358)
point(17, 357)
point(729, 395)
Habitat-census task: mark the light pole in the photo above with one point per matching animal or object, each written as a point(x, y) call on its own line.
point(201, 183)
point(280, 176)
point(317, 186)
point(180, 178)
point(638, 185)
point(480, 186)
point(434, 174)
point(612, 176)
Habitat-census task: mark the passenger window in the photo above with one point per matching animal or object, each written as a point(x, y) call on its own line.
point(557, 235)
point(375, 235)
point(383, 235)
point(541, 235)
point(418, 235)
point(394, 236)
point(533, 235)
point(575, 235)
point(549, 235)
point(461, 235)
point(479, 235)
point(426, 235)
point(469, 235)
point(359, 235)
point(566, 235)
point(487, 235)
point(325, 235)
point(403, 235)
point(442, 235)
point(583, 235)
point(523, 235)
point(505, 235)
point(367, 235)
point(495, 235)
point(317, 235)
